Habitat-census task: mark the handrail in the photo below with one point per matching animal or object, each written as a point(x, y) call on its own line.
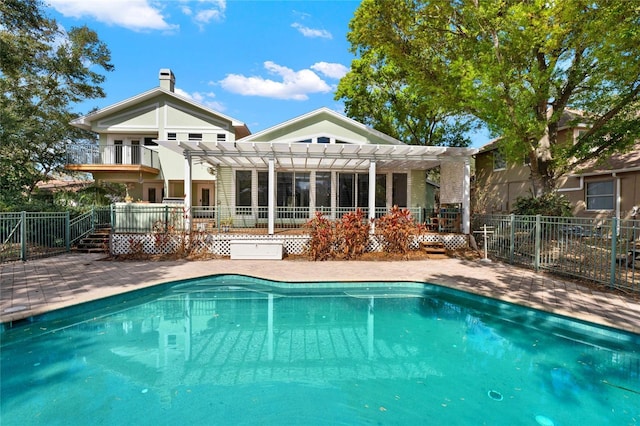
point(112, 155)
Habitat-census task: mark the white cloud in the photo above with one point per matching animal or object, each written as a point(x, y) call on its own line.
point(310, 32)
point(204, 11)
point(205, 99)
point(296, 85)
point(141, 15)
point(336, 71)
point(136, 15)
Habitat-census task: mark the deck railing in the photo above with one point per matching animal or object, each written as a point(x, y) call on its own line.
point(112, 154)
point(605, 251)
point(144, 217)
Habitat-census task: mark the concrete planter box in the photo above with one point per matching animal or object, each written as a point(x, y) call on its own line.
point(256, 249)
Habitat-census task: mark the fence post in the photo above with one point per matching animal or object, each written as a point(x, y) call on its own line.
point(112, 213)
point(538, 232)
point(67, 231)
point(23, 236)
point(512, 237)
point(614, 237)
point(166, 218)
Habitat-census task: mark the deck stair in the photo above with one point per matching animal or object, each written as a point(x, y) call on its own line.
point(95, 242)
point(435, 248)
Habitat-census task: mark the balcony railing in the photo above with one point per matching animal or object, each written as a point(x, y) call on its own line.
point(112, 155)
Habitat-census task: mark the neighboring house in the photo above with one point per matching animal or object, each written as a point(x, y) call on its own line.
point(610, 188)
point(596, 189)
point(166, 147)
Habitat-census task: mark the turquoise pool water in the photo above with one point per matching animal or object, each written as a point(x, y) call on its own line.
point(238, 350)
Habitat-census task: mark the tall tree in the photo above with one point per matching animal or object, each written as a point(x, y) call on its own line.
point(44, 71)
point(377, 92)
point(518, 66)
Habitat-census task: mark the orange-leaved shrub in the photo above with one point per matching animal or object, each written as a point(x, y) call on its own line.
point(352, 232)
point(322, 241)
point(397, 229)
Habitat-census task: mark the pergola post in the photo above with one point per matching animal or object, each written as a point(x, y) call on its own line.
point(271, 204)
point(466, 198)
point(372, 195)
point(187, 189)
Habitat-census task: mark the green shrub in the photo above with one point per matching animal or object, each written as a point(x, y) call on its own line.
point(550, 204)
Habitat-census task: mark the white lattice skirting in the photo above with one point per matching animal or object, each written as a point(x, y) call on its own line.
point(220, 244)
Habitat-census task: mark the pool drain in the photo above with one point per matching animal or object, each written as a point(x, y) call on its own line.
point(495, 395)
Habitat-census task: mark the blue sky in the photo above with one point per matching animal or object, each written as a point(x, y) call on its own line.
point(261, 62)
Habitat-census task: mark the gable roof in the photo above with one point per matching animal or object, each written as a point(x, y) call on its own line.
point(85, 121)
point(272, 133)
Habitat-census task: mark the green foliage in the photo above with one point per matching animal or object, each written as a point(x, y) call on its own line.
point(397, 229)
point(378, 93)
point(518, 66)
point(549, 204)
point(352, 234)
point(323, 238)
point(44, 70)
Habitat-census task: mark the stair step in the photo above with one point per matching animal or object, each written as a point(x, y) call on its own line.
point(433, 247)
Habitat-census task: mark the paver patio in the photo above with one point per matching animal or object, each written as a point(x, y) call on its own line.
point(37, 286)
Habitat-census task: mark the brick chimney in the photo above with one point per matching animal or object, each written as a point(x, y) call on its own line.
point(167, 79)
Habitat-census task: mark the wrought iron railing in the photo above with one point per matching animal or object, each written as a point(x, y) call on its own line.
point(32, 235)
point(605, 251)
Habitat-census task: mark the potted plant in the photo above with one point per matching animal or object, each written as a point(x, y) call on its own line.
point(226, 223)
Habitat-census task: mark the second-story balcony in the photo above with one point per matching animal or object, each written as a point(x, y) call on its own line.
point(112, 158)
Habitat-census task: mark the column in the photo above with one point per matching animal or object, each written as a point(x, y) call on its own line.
point(187, 190)
point(271, 206)
point(372, 194)
point(466, 198)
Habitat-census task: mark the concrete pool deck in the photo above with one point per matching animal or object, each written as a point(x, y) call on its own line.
point(37, 286)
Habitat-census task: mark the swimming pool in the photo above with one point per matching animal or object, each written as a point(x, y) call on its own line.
point(239, 350)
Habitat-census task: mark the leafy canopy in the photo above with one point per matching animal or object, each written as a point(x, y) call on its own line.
point(44, 71)
point(519, 67)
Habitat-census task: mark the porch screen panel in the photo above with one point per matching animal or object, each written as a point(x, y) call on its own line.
point(263, 194)
point(399, 195)
point(381, 190)
point(363, 190)
point(302, 196)
point(243, 192)
point(346, 188)
point(323, 191)
point(284, 190)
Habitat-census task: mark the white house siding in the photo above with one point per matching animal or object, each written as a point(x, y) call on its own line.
point(418, 194)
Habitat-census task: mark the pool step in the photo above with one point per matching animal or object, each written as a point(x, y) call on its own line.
point(436, 248)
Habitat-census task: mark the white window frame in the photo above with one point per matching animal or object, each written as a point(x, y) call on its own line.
point(611, 195)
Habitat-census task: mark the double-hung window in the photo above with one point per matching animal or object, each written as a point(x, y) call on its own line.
point(600, 195)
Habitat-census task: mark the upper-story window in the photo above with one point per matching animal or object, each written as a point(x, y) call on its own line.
point(195, 136)
point(221, 137)
point(150, 142)
point(499, 162)
point(324, 139)
point(600, 195)
point(172, 136)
